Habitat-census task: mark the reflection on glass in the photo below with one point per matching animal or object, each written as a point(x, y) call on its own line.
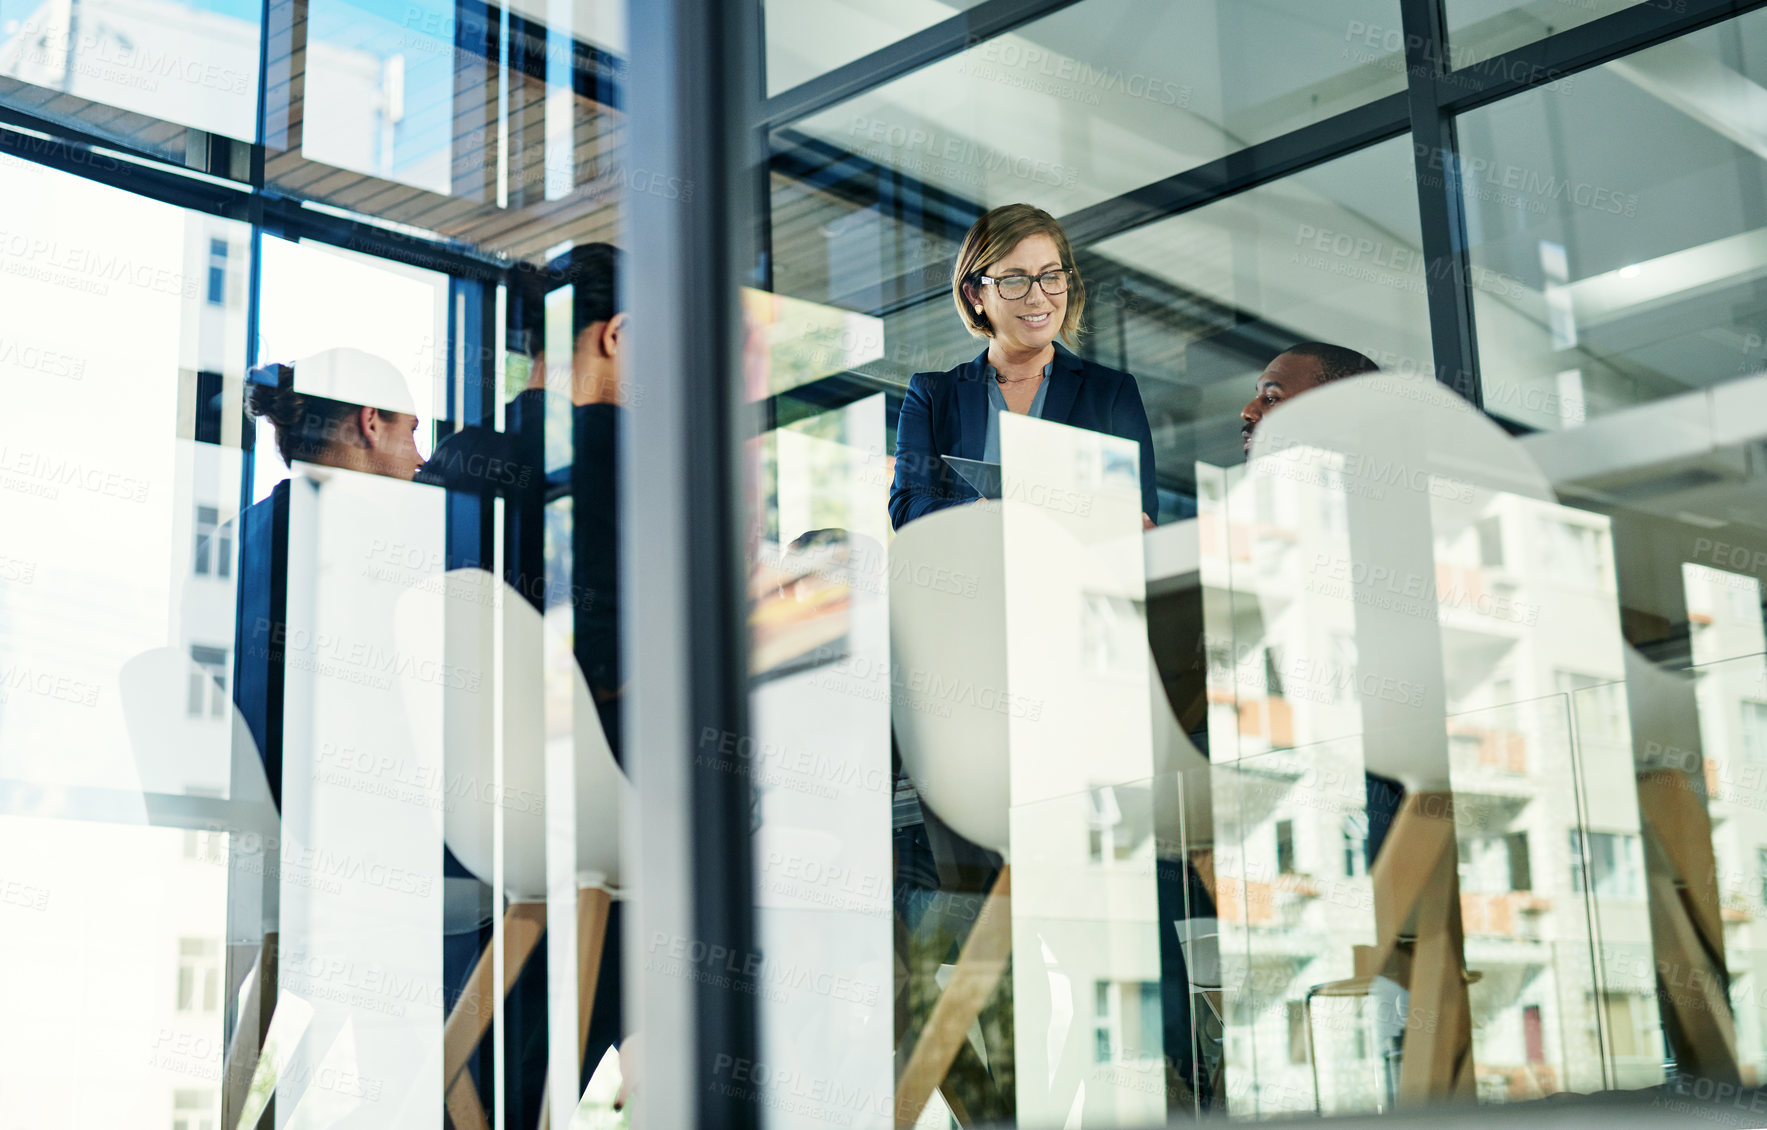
point(493, 127)
point(1604, 280)
point(190, 64)
point(1479, 29)
point(362, 803)
point(807, 38)
point(1103, 97)
point(818, 764)
point(1502, 834)
point(1330, 254)
point(148, 460)
point(1080, 696)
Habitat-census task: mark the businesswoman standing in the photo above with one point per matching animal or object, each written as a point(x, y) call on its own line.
point(1016, 285)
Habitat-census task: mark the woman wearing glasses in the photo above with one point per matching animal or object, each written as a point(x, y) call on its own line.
point(1016, 285)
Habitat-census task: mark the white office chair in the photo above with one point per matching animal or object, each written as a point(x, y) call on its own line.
point(957, 751)
point(1419, 426)
point(482, 627)
point(957, 748)
point(172, 747)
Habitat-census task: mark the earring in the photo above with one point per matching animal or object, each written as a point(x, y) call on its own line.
point(978, 309)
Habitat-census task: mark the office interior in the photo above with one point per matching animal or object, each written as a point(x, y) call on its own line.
point(1412, 765)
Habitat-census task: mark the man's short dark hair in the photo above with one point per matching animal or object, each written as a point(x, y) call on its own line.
point(1335, 360)
point(592, 271)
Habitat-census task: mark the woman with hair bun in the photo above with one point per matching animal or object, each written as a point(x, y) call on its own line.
point(1015, 284)
point(336, 432)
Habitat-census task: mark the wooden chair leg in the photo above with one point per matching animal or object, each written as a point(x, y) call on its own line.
point(1687, 928)
point(979, 968)
point(523, 924)
point(593, 907)
point(1437, 1063)
point(1417, 891)
point(248, 1035)
point(955, 1105)
point(466, 1111)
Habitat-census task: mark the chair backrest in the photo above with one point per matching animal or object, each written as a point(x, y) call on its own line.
point(1411, 429)
point(174, 749)
point(956, 747)
point(942, 635)
point(461, 623)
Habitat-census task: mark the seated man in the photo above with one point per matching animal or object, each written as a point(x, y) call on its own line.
point(1296, 370)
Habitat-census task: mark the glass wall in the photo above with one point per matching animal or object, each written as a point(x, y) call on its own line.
point(1611, 282)
point(567, 563)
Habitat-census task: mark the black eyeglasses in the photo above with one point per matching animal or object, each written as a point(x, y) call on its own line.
point(1015, 287)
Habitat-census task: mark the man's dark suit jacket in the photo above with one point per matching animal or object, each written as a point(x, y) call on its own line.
point(947, 414)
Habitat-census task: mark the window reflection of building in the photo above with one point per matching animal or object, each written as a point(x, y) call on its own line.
point(199, 975)
point(1521, 700)
point(194, 1109)
point(1613, 867)
point(214, 545)
point(1126, 1022)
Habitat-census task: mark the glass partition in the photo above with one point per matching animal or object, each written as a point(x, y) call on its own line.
point(1481, 29)
point(1092, 747)
point(155, 77)
point(1608, 281)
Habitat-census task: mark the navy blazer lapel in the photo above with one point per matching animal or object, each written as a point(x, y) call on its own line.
point(1064, 386)
point(972, 409)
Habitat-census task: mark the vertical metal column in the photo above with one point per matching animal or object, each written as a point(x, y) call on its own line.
point(691, 100)
point(1441, 210)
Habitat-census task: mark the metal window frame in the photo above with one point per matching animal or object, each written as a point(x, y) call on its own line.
point(910, 53)
point(684, 629)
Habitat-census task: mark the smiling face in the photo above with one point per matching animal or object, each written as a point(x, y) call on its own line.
point(1031, 323)
point(1289, 375)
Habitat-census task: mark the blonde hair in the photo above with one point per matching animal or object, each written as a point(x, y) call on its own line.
point(992, 239)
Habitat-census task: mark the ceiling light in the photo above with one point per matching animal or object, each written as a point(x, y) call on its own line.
point(1631, 272)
